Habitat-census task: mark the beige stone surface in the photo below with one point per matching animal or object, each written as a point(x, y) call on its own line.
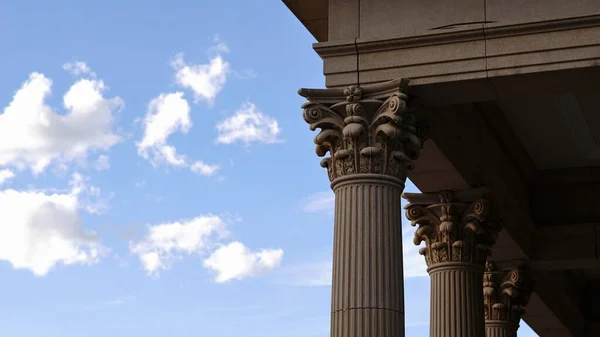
point(383, 18)
point(503, 12)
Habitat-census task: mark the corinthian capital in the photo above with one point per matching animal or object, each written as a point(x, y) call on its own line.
point(505, 294)
point(366, 129)
point(455, 226)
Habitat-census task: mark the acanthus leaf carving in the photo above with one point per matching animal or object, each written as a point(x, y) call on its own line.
point(365, 130)
point(456, 227)
point(506, 294)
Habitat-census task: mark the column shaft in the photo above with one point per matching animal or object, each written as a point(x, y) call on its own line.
point(456, 300)
point(368, 290)
point(500, 329)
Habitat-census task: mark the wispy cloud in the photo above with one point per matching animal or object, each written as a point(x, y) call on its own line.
point(203, 236)
point(248, 125)
point(102, 163)
point(204, 80)
point(204, 169)
point(167, 242)
point(244, 74)
point(78, 68)
point(320, 202)
point(6, 175)
point(106, 304)
point(169, 113)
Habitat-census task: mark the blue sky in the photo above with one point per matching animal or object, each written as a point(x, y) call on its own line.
point(156, 176)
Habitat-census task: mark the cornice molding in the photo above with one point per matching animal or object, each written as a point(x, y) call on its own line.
point(369, 45)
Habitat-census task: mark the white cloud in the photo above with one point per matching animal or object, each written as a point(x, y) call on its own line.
point(102, 163)
point(170, 113)
point(168, 241)
point(320, 202)
point(33, 135)
point(78, 68)
point(244, 74)
point(165, 243)
point(39, 230)
point(236, 261)
point(167, 114)
point(248, 125)
point(204, 169)
point(6, 175)
point(205, 80)
point(220, 46)
point(90, 197)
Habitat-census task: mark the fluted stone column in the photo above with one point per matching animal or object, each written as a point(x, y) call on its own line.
point(505, 296)
point(458, 230)
point(372, 140)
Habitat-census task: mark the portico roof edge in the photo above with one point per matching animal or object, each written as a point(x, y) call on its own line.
point(366, 45)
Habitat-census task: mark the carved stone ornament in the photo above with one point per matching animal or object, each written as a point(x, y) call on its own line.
point(366, 129)
point(455, 226)
point(505, 294)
